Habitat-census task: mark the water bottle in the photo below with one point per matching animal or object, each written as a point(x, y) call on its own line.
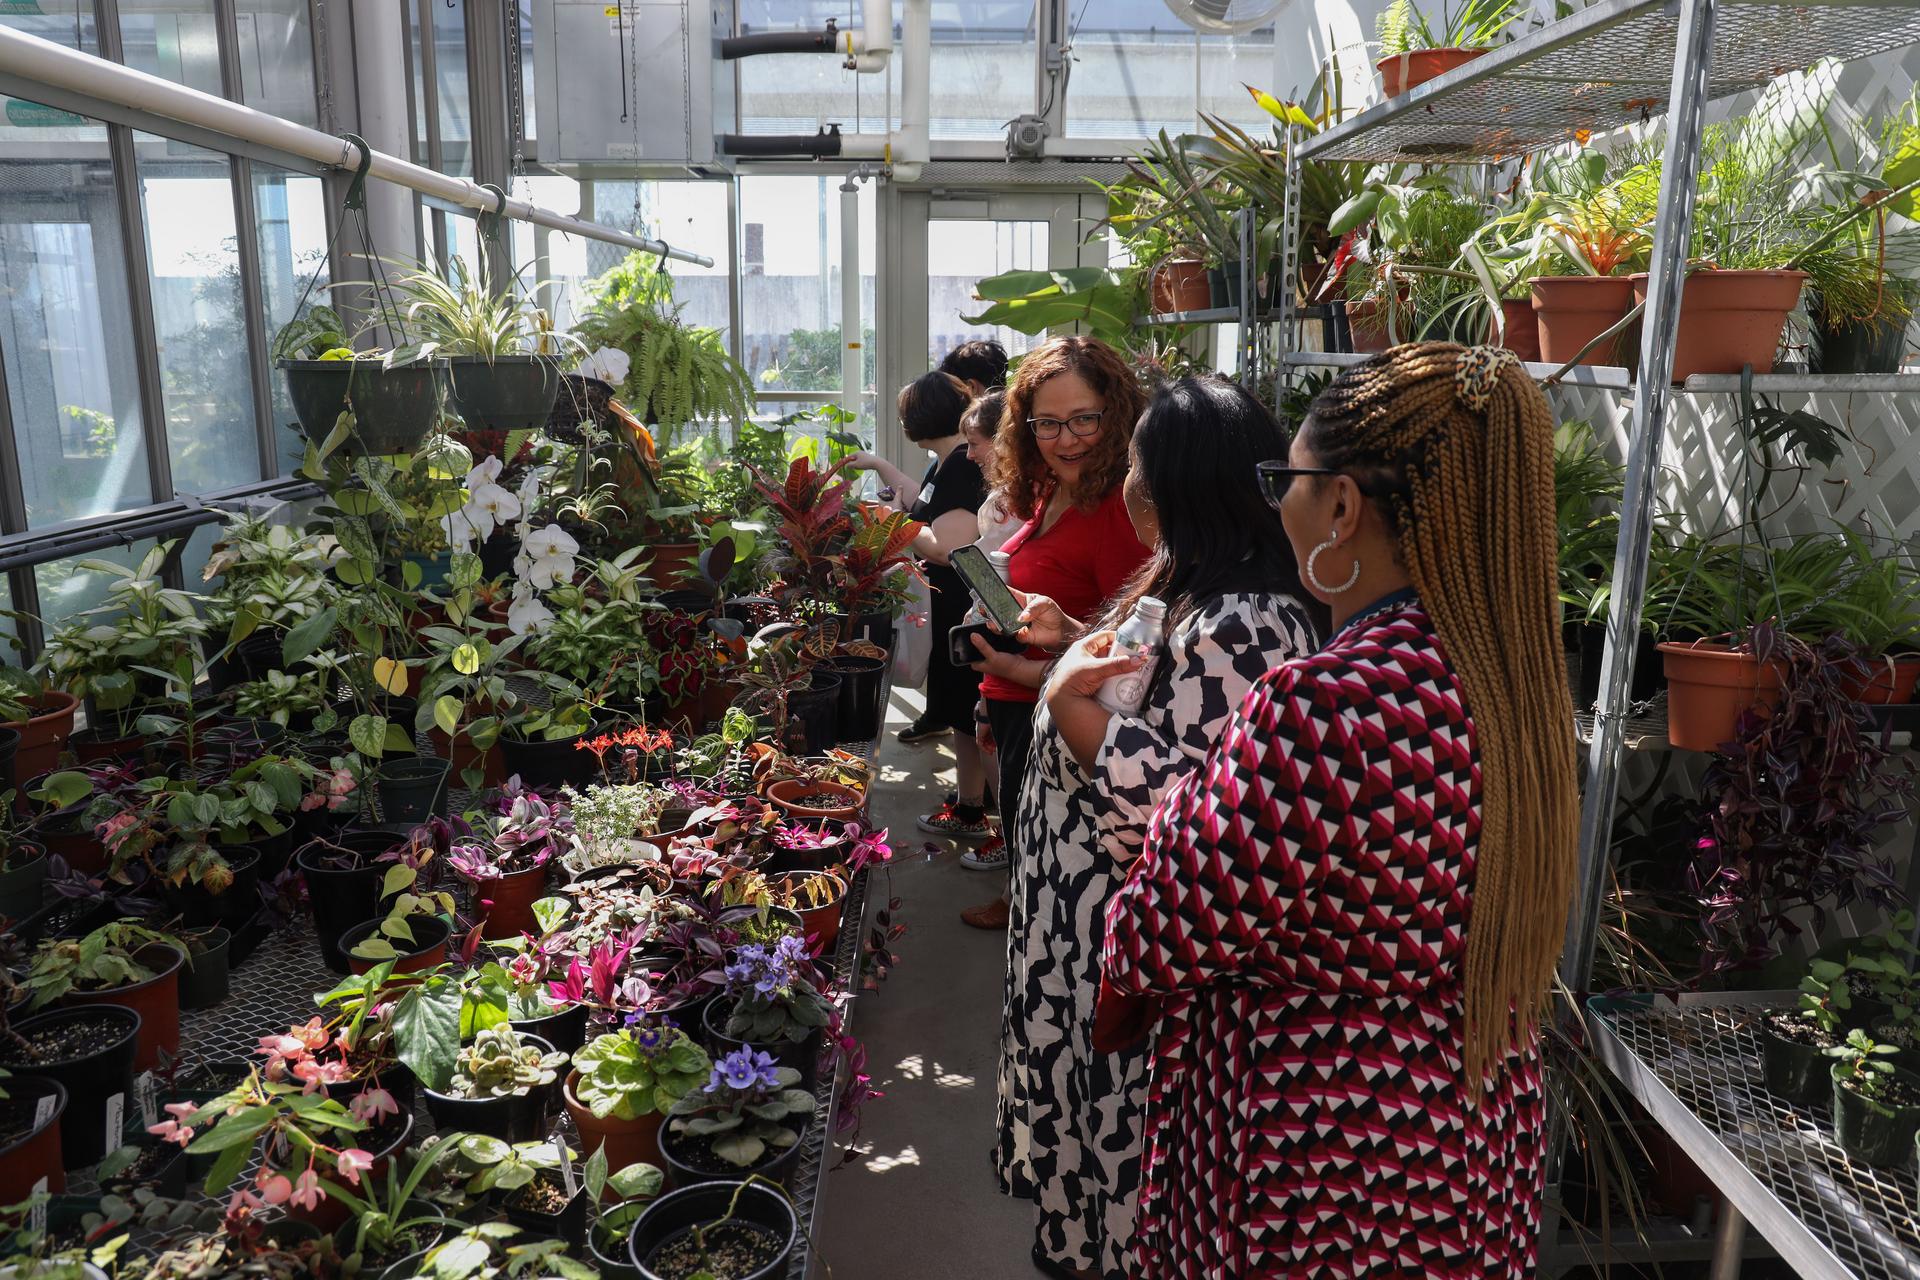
point(1139, 635)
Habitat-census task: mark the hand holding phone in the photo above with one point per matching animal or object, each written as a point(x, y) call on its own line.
point(995, 600)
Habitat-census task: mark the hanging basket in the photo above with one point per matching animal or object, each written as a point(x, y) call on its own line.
point(506, 393)
point(393, 409)
point(581, 399)
point(1708, 686)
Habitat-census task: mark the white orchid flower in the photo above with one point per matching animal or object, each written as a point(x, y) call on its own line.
point(549, 552)
point(531, 482)
point(458, 526)
point(609, 364)
point(486, 471)
point(489, 506)
point(527, 612)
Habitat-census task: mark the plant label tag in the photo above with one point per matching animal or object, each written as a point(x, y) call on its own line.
point(37, 1215)
point(43, 1111)
point(148, 1093)
point(569, 1183)
point(116, 1118)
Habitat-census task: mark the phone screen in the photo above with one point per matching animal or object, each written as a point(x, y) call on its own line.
point(976, 571)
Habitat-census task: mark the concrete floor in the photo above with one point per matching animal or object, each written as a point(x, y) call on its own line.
point(918, 1201)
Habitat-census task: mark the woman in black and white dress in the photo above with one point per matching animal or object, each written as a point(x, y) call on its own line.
point(1070, 1116)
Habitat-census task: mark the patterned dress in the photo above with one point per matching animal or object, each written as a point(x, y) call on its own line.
point(1070, 1118)
point(1301, 909)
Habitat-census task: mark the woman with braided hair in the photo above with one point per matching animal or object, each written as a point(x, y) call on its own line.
point(1344, 923)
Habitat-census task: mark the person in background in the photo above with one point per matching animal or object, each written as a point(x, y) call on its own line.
point(1070, 1115)
point(1058, 462)
point(1349, 914)
point(981, 364)
point(980, 425)
point(947, 501)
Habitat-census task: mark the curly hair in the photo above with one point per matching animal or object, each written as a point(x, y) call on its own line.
point(1019, 470)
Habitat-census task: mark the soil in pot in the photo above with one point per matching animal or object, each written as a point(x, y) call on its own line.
point(156, 1000)
point(428, 948)
point(410, 789)
point(1410, 70)
point(691, 1160)
point(1793, 1057)
point(505, 903)
point(543, 1208)
point(343, 884)
point(607, 1240)
point(816, 800)
point(30, 1121)
point(1729, 319)
point(419, 1239)
point(1873, 1135)
point(751, 1244)
point(23, 882)
point(44, 734)
point(1571, 311)
point(91, 1052)
point(204, 979)
point(160, 1166)
point(1708, 686)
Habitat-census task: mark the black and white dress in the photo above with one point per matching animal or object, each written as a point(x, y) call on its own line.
point(1071, 1118)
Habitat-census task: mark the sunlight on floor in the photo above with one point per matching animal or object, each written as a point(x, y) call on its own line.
point(911, 1068)
point(881, 1164)
point(953, 1080)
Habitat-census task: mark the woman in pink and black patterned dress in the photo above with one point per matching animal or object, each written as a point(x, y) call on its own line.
point(1344, 923)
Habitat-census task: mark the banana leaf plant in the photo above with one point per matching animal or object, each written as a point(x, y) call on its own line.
point(1096, 299)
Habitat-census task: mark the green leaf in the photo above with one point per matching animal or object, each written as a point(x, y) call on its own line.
point(355, 572)
point(64, 788)
point(398, 740)
point(739, 1148)
point(466, 659)
point(342, 428)
point(411, 574)
point(426, 1024)
point(446, 713)
point(1354, 212)
point(226, 1168)
point(595, 1174)
point(368, 734)
point(376, 949)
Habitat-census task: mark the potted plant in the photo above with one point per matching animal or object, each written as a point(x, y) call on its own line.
point(631, 1188)
point(23, 863)
point(538, 744)
point(501, 1085)
point(482, 1253)
point(771, 1000)
point(391, 399)
point(746, 1230)
point(390, 1219)
point(42, 717)
point(465, 695)
point(290, 701)
point(503, 365)
point(818, 897)
point(90, 1050)
point(624, 1083)
point(123, 963)
point(31, 1107)
point(520, 1177)
point(414, 931)
point(204, 979)
point(747, 1119)
point(343, 875)
point(1412, 52)
point(506, 858)
point(1876, 1106)
point(518, 985)
point(1794, 1043)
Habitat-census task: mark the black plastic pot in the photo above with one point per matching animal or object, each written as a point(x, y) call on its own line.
point(816, 708)
point(99, 1083)
point(507, 393)
point(859, 712)
point(497, 553)
point(774, 1166)
point(1648, 673)
point(343, 898)
point(410, 789)
point(24, 884)
point(544, 763)
point(431, 934)
point(168, 1178)
point(570, 1224)
point(803, 1056)
point(617, 1266)
point(260, 653)
point(233, 906)
point(1794, 1071)
point(204, 977)
point(565, 1030)
point(1880, 1139)
point(521, 1117)
point(274, 853)
point(427, 1237)
point(393, 408)
point(677, 1213)
point(9, 744)
point(1875, 346)
point(1223, 284)
point(66, 918)
point(35, 1154)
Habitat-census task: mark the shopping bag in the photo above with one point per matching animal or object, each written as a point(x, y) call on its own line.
point(913, 636)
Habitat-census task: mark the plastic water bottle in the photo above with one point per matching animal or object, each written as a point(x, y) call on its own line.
point(1139, 635)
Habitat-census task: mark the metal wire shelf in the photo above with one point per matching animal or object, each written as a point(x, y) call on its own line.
point(1696, 1068)
point(1604, 67)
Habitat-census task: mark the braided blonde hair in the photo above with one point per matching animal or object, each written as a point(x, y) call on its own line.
point(1456, 446)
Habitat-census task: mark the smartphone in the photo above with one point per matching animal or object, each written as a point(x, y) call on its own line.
point(971, 563)
point(960, 650)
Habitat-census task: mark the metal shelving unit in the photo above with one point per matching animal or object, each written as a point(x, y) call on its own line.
point(1248, 315)
point(1616, 63)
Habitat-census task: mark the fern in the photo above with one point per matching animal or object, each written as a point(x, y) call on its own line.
point(1396, 25)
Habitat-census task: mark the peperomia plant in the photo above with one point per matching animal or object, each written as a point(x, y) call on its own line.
point(742, 1109)
point(639, 1071)
point(498, 1065)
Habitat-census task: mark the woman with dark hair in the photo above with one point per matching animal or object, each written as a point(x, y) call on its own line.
point(947, 502)
point(1350, 912)
point(1058, 461)
point(1070, 1114)
point(981, 364)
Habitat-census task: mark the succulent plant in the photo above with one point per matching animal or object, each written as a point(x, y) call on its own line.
point(498, 1065)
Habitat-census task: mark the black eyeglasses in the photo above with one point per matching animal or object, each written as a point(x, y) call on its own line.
point(1081, 425)
point(1275, 477)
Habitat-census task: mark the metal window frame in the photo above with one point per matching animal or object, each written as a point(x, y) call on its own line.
point(253, 300)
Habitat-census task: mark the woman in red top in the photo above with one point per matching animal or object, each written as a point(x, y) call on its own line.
point(1059, 459)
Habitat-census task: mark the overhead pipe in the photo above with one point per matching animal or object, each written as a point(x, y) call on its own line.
point(47, 63)
point(823, 145)
point(867, 50)
point(853, 372)
point(907, 148)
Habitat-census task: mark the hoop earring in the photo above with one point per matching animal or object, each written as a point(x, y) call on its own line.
point(1313, 578)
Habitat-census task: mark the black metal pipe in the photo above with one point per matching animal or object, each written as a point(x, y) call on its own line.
point(820, 145)
point(826, 41)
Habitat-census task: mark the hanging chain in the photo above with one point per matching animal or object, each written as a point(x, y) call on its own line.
point(516, 90)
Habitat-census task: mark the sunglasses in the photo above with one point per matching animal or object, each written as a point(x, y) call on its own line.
point(1277, 477)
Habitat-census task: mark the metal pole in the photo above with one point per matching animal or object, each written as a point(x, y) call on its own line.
point(1673, 225)
point(852, 352)
point(1729, 1243)
point(1290, 253)
point(488, 145)
point(246, 228)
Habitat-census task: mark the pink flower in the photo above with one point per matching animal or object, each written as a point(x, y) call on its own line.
point(313, 1035)
point(371, 1104)
point(171, 1131)
point(313, 1073)
point(274, 1187)
point(311, 801)
point(306, 1190)
point(352, 1163)
point(243, 1202)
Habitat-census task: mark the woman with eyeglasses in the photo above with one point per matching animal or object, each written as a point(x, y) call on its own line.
point(1349, 914)
point(1234, 609)
point(1058, 461)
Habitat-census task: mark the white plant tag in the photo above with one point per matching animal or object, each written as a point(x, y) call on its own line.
point(567, 1180)
point(43, 1111)
point(148, 1091)
point(116, 1119)
point(37, 1216)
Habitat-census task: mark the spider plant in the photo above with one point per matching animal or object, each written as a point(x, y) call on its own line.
point(466, 313)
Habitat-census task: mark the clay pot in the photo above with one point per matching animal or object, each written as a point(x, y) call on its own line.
point(1729, 319)
point(822, 923)
point(157, 1001)
point(1367, 327)
point(44, 734)
point(625, 1141)
point(1708, 686)
point(1180, 284)
point(463, 755)
point(1894, 680)
point(506, 902)
point(36, 1156)
point(1415, 67)
point(670, 562)
point(781, 795)
point(1522, 332)
point(1571, 311)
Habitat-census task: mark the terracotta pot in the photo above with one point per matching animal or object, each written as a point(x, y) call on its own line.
point(1414, 68)
point(157, 1001)
point(1708, 686)
point(625, 1141)
point(36, 1156)
point(1180, 284)
point(670, 562)
point(463, 755)
point(43, 736)
point(1729, 319)
point(1367, 327)
point(1894, 681)
point(1571, 311)
point(90, 749)
point(715, 697)
point(69, 838)
point(822, 923)
point(781, 795)
point(1522, 333)
point(506, 902)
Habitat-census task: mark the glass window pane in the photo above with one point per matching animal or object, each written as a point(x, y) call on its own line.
point(65, 588)
point(687, 215)
point(175, 39)
point(983, 66)
point(65, 322)
point(290, 209)
point(786, 93)
point(450, 68)
point(1132, 71)
point(962, 252)
point(527, 124)
point(64, 22)
point(193, 262)
point(276, 59)
point(1227, 63)
point(790, 281)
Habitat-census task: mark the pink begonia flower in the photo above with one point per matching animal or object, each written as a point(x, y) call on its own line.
point(274, 1187)
point(313, 1035)
point(353, 1162)
point(306, 1190)
point(371, 1104)
point(171, 1131)
point(243, 1201)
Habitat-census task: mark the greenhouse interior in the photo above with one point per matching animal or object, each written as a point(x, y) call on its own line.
point(730, 639)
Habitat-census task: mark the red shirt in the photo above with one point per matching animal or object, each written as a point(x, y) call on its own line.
point(1080, 563)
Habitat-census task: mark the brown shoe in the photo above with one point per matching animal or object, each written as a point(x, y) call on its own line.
point(988, 915)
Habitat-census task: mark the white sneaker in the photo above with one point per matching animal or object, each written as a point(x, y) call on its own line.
point(991, 855)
